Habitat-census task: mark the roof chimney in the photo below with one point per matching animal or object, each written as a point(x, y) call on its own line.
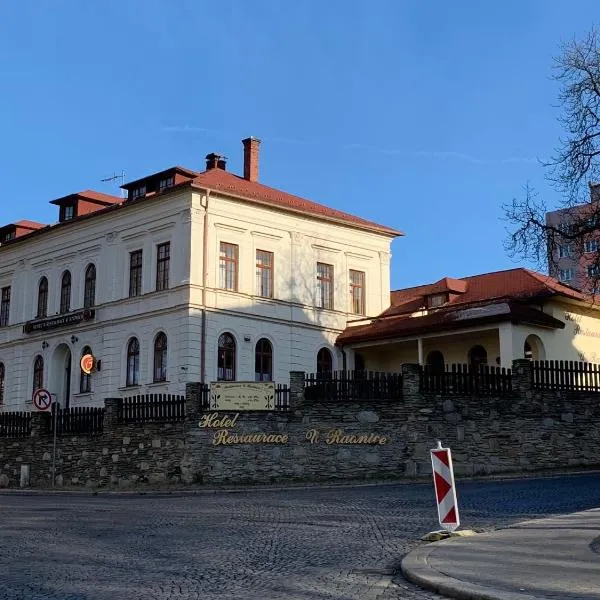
point(215, 161)
point(251, 148)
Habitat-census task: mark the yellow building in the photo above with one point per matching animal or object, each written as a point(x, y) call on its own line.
point(484, 319)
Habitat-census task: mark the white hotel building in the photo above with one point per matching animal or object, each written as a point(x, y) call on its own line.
point(195, 276)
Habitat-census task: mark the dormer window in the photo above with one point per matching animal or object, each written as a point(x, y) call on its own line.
point(436, 300)
point(67, 212)
point(11, 235)
point(165, 183)
point(138, 192)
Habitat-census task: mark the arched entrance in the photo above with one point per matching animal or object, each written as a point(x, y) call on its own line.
point(533, 348)
point(59, 375)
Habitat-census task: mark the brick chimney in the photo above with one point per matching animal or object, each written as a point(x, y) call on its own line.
point(251, 149)
point(215, 161)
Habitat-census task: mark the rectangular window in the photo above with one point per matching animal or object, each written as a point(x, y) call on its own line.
point(324, 286)
point(357, 292)
point(5, 307)
point(593, 270)
point(135, 273)
point(163, 259)
point(9, 236)
point(165, 183)
point(592, 246)
point(566, 250)
point(69, 213)
point(565, 274)
point(228, 266)
point(139, 191)
point(264, 273)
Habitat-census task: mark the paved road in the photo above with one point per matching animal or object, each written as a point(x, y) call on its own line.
point(298, 544)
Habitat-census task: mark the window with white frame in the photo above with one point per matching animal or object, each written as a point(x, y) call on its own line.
point(593, 270)
point(565, 250)
point(566, 274)
point(592, 246)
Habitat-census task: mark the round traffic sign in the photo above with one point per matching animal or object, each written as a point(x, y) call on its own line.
point(42, 399)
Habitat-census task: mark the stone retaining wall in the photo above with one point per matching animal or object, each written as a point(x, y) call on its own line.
point(319, 441)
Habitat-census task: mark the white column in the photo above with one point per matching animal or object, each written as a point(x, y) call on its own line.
point(420, 350)
point(506, 345)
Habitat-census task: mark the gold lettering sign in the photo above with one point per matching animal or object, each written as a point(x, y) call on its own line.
point(216, 421)
point(242, 395)
point(337, 436)
point(224, 437)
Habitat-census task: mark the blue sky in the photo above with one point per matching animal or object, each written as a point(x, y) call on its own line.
point(425, 116)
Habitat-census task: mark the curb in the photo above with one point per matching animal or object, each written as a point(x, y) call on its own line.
point(416, 569)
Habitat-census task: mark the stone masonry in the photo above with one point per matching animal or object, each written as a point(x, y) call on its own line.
point(529, 430)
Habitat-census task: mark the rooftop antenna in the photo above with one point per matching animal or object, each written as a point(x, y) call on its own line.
point(114, 178)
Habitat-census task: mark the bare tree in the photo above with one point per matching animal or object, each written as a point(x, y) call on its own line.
point(572, 171)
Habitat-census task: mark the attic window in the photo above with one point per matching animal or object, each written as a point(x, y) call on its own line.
point(165, 183)
point(138, 192)
point(67, 212)
point(11, 235)
point(436, 300)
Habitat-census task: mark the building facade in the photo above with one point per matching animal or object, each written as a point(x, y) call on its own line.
point(490, 319)
point(194, 276)
point(576, 260)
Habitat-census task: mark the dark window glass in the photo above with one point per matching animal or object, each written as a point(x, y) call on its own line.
point(477, 357)
point(135, 273)
point(89, 292)
point(2, 378)
point(357, 292)
point(85, 380)
point(228, 266)
point(38, 373)
point(163, 259)
point(263, 361)
point(65, 293)
point(133, 362)
point(324, 362)
point(160, 357)
point(226, 358)
point(324, 286)
point(5, 307)
point(264, 273)
point(42, 307)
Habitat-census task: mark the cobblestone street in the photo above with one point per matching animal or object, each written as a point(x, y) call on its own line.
point(342, 543)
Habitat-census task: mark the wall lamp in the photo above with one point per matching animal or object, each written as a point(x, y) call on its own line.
point(74, 339)
point(45, 344)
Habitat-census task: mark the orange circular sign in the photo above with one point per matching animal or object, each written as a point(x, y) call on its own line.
point(87, 363)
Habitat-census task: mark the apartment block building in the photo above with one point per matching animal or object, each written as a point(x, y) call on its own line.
point(194, 276)
point(575, 261)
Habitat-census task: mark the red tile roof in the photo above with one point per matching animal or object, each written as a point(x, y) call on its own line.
point(480, 302)
point(91, 196)
point(29, 224)
point(251, 191)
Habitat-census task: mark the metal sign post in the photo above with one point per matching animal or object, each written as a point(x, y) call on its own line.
point(445, 490)
point(55, 407)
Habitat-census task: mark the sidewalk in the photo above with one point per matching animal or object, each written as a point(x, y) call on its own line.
point(556, 558)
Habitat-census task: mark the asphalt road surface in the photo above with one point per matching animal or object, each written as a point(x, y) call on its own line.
point(342, 543)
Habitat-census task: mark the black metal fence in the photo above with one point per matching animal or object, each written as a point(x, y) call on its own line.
point(81, 420)
point(462, 379)
point(15, 424)
point(565, 375)
point(282, 397)
point(153, 408)
point(353, 385)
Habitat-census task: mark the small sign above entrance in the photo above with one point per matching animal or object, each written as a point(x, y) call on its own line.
point(236, 396)
point(87, 363)
point(42, 399)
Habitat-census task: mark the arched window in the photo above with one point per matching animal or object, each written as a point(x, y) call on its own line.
point(359, 362)
point(324, 362)
point(85, 379)
point(477, 356)
point(89, 290)
point(160, 357)
point(226, 358)
point(65, 293)
point(263, 361)
point(42, 305)
point(2, 375)
point(527, 350)
point(133, 362)
point(435, 362)
point(38, 373)
point(533, 348)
